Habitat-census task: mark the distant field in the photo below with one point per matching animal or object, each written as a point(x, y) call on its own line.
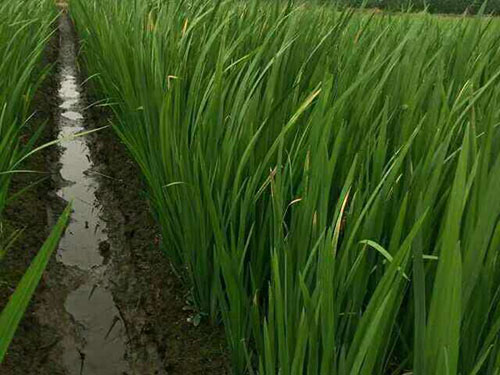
point(437, 7)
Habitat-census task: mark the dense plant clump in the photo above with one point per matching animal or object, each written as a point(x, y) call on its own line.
point(328, 182)
point(25, 28)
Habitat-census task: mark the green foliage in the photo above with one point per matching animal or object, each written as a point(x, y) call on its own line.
point(326, 181)
point(25, 28)
point(15, 308)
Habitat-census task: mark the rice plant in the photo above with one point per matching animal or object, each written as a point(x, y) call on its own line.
point(326, 181)
point(25, 28)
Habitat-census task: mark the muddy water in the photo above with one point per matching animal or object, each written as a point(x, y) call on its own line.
point(99, 343)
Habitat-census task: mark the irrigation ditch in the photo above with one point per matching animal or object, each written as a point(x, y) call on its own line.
point(109, 302)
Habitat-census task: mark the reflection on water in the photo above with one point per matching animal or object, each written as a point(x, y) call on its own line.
point(101, 346)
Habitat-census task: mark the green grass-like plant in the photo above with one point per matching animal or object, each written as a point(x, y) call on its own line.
point(326, 181)
point(25, 29)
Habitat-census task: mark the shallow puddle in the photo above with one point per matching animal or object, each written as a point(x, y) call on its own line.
point(100, 348)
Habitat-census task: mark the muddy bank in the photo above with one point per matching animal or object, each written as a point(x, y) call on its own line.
point(93, 336)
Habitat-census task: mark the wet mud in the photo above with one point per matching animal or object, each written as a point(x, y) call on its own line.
point(98, 343)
